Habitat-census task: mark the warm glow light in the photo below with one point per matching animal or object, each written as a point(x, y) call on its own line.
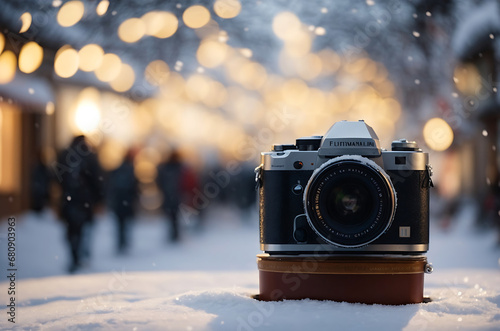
point(87, 114)
point(50, 108)
point(196, 16)
point(70, 13)
point(299, 45)
point(467, 79)
point(160, 24)
point(157, 72)
point(295, 92)
point(102, 7)
point(217, 95)
point(8, 65)
point(197, 87)
point(109, 68)
point(90, 57)
point(211, 53)
point(330, 61)
point(26, 22)
point(173, 87)
point(145, 171)
point(30, 57)
point(2, 42)
point(66, 62)
point(286, 25)
point(227, 8)
point(111, 154)
point(252, 75)
point(125, 79)
point(309, 67)
point(132, 30)
point(438, 135)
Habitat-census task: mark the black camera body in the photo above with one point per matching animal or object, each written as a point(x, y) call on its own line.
point(342, 194)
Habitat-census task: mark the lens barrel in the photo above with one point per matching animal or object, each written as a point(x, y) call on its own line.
point(350, 202)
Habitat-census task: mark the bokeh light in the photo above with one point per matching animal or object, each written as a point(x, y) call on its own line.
point(160, 24)
point(70, 13)
point(90, 57)
point(286, 25)
point(30, 57)
point(66, 62)
point(467, 79)
point(438, 134)
point(196, 16)
point(227, 8)
point(25, 22)
point(212, 53)
point(2, 42)
point(111, 154)
point(125, 79)
point(102, 7)
point(110, 67)
point(131, 30)
point(157, 72)
point(8, 65)
point(87, 114)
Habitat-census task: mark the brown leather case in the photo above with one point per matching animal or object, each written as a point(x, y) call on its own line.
point(389, 280)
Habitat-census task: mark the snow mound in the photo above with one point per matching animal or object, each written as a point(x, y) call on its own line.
point(464, 299)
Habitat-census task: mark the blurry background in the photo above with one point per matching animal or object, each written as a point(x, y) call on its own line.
point(221, 81)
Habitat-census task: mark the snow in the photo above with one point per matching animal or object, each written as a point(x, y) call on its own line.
point(207, 281)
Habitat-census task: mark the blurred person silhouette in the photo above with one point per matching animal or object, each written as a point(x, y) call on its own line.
point(242, 190)
point(79, 174)
point(170, 181)
point(39, 184)
point(122, 194)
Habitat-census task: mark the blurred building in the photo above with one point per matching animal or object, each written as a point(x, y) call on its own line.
point(477, 48)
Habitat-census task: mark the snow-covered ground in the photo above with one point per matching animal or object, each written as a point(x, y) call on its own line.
point(207, 280)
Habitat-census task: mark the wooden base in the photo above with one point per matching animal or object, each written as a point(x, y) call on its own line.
point(393, 280)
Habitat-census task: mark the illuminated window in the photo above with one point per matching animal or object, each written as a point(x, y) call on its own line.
point(10, 128)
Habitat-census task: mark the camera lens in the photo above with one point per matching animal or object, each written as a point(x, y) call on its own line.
point(349, 202)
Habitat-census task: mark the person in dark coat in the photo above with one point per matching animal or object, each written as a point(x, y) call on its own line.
point(169, 181)
point(40, 183)
point(79, 174)
point(122, 194)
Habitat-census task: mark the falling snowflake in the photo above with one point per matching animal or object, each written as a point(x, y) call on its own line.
point(485, 133)
point(320, 31)
point(324, 10)
point(417, 81)
point(415, 15)
point(68, 198)
point(492, 36)
point(454, 94)
point(428, 14)
point(370, 2)
point(416, 34)
point(31, 91)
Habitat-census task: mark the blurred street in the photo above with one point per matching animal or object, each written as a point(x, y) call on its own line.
point(226, 243)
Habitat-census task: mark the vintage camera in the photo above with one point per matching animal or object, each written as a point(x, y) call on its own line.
point(341, 193)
